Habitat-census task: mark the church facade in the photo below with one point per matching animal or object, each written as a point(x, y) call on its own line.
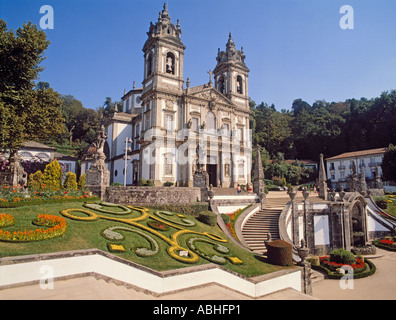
point(170, 128)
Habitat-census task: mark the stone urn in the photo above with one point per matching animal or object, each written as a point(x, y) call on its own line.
point(292, 194)
point(303, 252)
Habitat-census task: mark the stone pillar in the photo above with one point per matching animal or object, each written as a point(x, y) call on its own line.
point(306, 273)
point(322, 179)
point(295, 227)
point(258, 185)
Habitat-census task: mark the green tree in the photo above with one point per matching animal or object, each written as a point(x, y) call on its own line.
point(389, 163)
point(52, 177)
point(70, 181)
point(26, 112)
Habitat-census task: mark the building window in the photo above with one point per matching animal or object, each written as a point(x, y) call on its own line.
point(169, 122)
point(221, 85)
point(170, 63)
point(168, 164)
point(149, 64)
point(67, 167)
point(241, 170)
point(239, 85)
point(136, 145)
point(147, 121)
point(211, 121)
point(195, 124)
point(239, 134)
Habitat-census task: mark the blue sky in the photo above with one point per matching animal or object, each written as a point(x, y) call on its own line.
point(294, 48)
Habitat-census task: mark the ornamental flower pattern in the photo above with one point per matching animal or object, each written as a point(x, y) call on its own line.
point(147, 225)
point(57, 227)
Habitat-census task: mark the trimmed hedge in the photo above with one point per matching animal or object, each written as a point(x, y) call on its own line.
point(27, 203)
point(187, 209)
point(208, 217)
point(280, 253)
point(342, 256)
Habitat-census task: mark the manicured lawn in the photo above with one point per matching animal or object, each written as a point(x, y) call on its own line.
point(391, 203)
point(87, 235)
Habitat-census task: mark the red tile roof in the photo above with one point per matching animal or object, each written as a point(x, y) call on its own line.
point(356, 154)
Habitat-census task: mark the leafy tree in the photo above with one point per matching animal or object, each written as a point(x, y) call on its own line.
point(389, 163)
point(108, 108)
point(26, 112)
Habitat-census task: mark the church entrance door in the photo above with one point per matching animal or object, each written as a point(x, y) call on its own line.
point(211, 169)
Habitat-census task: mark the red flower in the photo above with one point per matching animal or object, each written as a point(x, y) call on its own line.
point(386, 241)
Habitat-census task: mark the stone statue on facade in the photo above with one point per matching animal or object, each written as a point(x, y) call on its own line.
point(201, 177)
point(378, 184)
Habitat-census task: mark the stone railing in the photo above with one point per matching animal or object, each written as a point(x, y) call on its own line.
point(152, 195)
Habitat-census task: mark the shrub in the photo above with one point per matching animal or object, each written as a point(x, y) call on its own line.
point(226, 218)
point(186, 209)
point(81, 181)
point(208, 217)
point(35, 181)
point(381, 203)
point(315, 261)
point(280, 253)
point(150, 183)
point(52, 178)
point(70, 181)
point(342, 256)
point(116, 184)
point(168, 184)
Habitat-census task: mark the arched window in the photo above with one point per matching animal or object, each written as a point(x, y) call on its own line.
point(221, 85)
point(43, 156)
point(26, 156)
point(170, 63)
point(239, 85)
point(211, 121)
point(149, 64)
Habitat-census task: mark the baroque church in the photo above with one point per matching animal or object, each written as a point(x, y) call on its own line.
point(171, 129)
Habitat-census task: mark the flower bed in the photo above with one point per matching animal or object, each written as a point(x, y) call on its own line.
point(16, 196)
point(360, 269)
point(231, 218)
point(57, 228)
point(6, 220)
point(158, 225)
point(386, 243)
point(357, 266)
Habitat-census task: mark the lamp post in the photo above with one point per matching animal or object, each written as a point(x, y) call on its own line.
point(127, 141)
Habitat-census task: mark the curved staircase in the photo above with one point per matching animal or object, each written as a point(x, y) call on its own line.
point(255, 231)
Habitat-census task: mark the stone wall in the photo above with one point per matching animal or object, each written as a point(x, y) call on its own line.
point(152, 195)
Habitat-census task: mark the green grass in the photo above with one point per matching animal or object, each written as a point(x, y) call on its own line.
point(86, 235)
point(391, 202)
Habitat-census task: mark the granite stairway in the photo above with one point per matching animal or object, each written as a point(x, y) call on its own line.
point(256, 229)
